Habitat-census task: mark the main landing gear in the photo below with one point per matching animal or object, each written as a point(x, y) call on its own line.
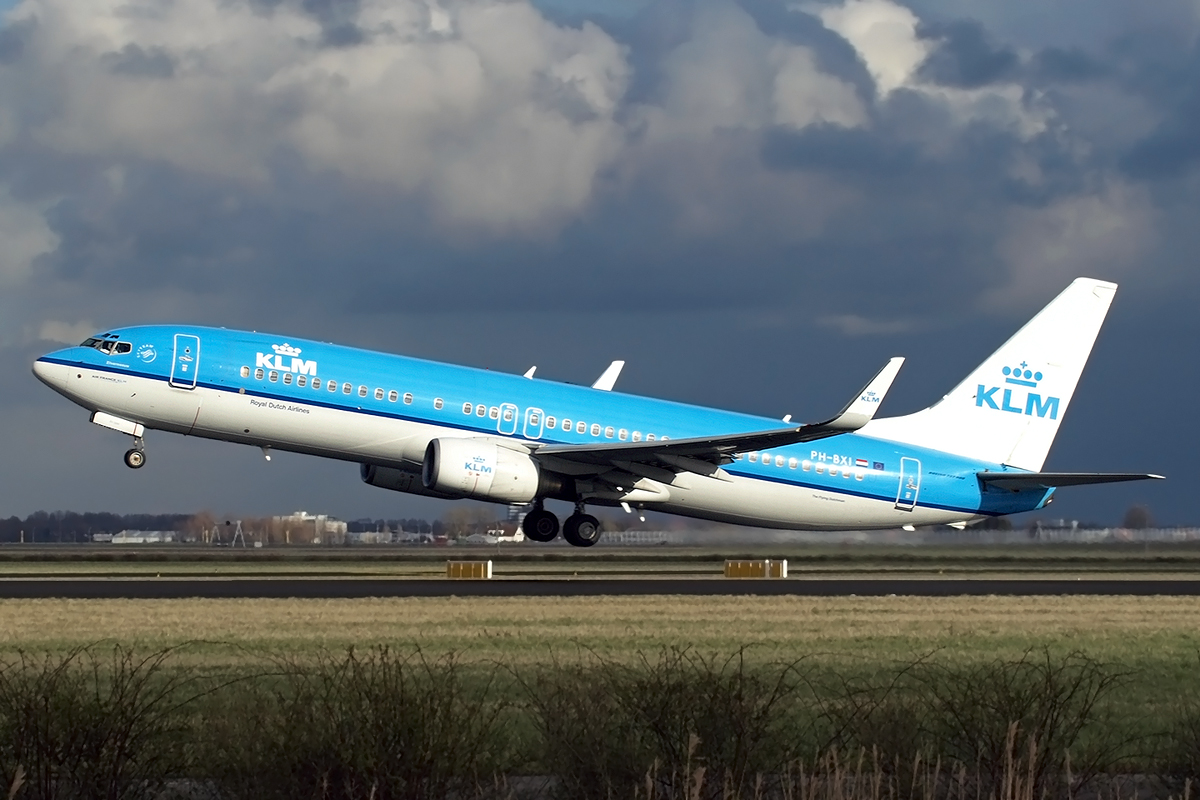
point(579, 529)
point(136, 457)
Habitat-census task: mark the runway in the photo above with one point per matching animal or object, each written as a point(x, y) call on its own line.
point(332, 588)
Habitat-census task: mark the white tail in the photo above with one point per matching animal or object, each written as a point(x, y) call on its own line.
point(1007, 411)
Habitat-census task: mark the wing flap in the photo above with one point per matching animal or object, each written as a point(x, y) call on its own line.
point(1016, 481)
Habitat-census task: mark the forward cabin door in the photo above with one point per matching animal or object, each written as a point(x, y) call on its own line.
point(910, 484)
point(186, 362)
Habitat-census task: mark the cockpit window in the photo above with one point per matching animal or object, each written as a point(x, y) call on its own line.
point(108, 346)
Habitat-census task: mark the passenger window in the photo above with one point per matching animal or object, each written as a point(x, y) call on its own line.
point(508, 415)
point(347, 388)
point(467, 408)
point(258, 374)
point(754, 458)
point(637, 436)
point(595, 429)
point(273, 377)
point(566, 424)
point(858, 474)
point(408, 398)
point(287, 378)
point(581, 427)
point(623, 434)
point(551, 422)
point(806, 465)
point(301, 380)
point(333, 386)
point(649, 437)
point(437, 403)
point(493, 413)
point(535, 420)
point(779, 461)
point(362, 391)
point(608, 432)
point(820, 468)
point(665, 439)
point(379, 394)
point(245, 372)
point(316, 384)
point(792, 463)
point(481, 410)
point(833, 472)
point(393, 396)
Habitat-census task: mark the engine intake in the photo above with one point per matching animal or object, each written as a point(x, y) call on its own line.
point(480, 470)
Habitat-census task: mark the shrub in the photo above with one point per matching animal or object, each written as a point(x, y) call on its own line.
point(378, 724)
point(95, 723)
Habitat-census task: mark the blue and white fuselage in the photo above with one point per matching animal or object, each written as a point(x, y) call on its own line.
point(457, 432)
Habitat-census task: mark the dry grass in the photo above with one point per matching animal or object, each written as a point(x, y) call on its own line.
point(1115, 628)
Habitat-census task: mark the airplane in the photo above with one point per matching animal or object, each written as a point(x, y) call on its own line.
point(455, 432)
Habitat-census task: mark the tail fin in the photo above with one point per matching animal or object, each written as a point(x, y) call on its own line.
point(1007, 411)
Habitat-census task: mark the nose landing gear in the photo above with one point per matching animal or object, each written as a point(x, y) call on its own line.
point(135, 458)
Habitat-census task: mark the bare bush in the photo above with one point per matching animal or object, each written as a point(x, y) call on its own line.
point(379, 724)
point(95, 723)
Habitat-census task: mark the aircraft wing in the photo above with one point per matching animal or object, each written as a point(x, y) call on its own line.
point(1016, 481)
point(704, 454)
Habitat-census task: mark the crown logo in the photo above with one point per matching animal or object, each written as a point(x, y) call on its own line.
point(286, 349)
point(1021, 375)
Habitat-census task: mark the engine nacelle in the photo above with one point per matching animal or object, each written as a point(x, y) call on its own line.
point(399, 480)
point(480, 470)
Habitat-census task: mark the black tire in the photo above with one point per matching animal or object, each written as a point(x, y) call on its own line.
point(540, 525)
point(581, 530)
point(135, 459)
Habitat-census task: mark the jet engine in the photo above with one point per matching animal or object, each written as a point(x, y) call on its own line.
point(481, 470)
point(399, 480)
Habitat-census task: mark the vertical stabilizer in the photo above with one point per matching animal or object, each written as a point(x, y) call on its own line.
point(1008, 410)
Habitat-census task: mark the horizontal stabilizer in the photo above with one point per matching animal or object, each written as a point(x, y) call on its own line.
point(1016, 481)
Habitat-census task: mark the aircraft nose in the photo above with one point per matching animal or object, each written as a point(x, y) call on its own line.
point(51, 374)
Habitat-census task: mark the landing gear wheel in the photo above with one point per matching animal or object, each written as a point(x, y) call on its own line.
point(540, 525)
point(581, 530)
point(135, 459)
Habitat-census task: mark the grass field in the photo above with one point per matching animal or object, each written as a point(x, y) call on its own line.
point(1153, 643)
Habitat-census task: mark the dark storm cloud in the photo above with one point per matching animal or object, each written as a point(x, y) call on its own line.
point(133, 60)
point(965, 56)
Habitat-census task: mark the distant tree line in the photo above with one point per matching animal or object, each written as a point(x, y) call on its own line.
point(71, 526)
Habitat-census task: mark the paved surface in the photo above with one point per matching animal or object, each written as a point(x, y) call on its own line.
point(167, 588)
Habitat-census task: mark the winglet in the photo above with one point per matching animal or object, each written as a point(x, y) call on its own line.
point(608, 380)
point(529, 372)
point(861, 409)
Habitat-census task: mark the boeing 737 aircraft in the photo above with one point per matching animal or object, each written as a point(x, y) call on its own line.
point(455, 432)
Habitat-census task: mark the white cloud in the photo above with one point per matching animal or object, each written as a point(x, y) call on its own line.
point(499, 115)
point(24, 235)
point(884, 34)
point(1103, 234)
point(65, 332)
point(729, 75)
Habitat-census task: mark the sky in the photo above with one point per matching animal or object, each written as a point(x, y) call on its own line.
point(755, 204)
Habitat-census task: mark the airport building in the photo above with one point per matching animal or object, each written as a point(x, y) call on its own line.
point(304, 528)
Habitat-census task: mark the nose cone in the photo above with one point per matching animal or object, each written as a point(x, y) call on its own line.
point(52, 374)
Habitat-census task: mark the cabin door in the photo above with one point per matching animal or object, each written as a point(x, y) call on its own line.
point(186, 362)
point(910, 484)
